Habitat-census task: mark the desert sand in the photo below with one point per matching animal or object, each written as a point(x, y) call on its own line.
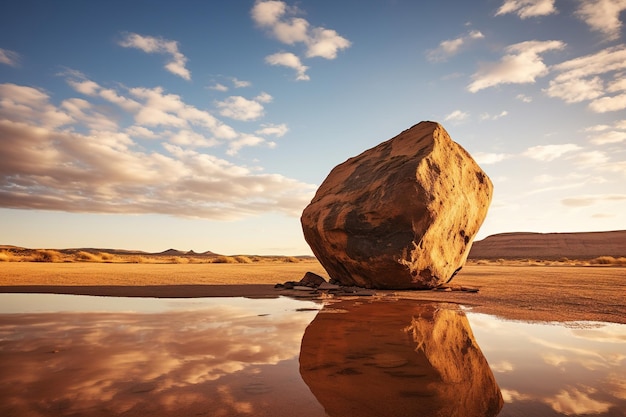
point(519, 292)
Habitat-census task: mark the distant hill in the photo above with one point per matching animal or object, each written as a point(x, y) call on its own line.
point(519, 245)
point(176, 252)
point(125, 252)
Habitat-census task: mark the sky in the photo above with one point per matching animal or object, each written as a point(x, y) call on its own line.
point(205, 125)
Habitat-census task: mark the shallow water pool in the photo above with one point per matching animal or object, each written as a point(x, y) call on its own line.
point(66, 355)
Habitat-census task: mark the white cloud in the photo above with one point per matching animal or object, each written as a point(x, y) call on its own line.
point(240, 108)
point(86, 87)
point(30, 105)
point(272, 130)
point(450, 47)
point(245, 140)
point(236, 83)
point(9, 58)
point(141, 132)
point(590, 158)
point(618, 167)
point(168, 110)
point(240, 83)
point(53, 158)
point(150, 44)
point(456, 115)
point(607, 60)
point(155, 109)
point(527, 8)
point(524, 98)
point(617, 85)
point(289, 29)
point(550, 152)
point(264, 98)
point(268, 13)
point(289, 60)
point(192, 139)
point(609, 137)
point(485, 158)
point(588, 200)
point(576, 89)
point(521, 64)
point(218, 87)
point(597, 128)
point(82, 111)
point(579, 79)
point(603, 16)
point(283, 24)
point(325, 43)
point(487, 116)
point(607, 104)
point(570, 181)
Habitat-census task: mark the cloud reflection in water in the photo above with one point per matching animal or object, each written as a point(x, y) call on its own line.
point(556, 369)
point(218, 360)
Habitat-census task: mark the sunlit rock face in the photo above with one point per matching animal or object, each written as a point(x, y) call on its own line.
point(399, 358)
point(400, 215)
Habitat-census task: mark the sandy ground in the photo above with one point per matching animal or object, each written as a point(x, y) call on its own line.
point(543, 293)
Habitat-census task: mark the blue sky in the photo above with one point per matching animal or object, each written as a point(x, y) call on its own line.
point(209, 125)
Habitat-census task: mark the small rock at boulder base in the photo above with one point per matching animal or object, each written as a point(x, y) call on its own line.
point(311, 279)
point(401, 215)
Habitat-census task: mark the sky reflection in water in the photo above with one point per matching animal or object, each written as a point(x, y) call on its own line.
point(555, 369)
point(63, 355)
point(215, 357)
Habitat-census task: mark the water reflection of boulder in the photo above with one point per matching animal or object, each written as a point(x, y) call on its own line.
point(397, 358)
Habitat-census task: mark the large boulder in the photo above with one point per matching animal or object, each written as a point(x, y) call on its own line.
point(400, 215)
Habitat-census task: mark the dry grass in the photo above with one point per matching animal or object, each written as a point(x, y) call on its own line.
point(608, 260)
point(6, 256)
point(12, 254)
point(563, 261)
point(46, 255)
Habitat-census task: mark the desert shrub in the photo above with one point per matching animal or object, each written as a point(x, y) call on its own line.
point(7, 256)
point(47, 255)
point(180, 260)
point(106, 256)
point(604, 260)
point(83, 256)
point(243, 259)
point(291, 259)
point(136, 259)
point(224, 260)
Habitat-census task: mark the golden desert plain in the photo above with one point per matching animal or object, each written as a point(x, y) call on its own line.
point(585, 286)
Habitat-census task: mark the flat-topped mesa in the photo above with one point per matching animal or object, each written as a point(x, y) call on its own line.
point(401, 215)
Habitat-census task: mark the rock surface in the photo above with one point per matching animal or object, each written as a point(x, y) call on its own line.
point(400, 215)
point(311, 279)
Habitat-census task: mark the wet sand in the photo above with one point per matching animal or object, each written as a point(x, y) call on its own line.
point(541, 293)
